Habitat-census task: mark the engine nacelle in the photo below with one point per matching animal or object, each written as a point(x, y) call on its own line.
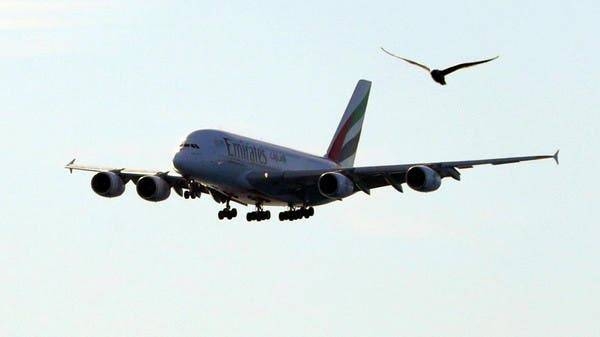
point(108, 184)
point(423, 179)
point(335, 185)
point(153, 188)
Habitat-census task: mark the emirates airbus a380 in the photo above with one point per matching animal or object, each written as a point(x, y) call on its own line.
point(251, 172)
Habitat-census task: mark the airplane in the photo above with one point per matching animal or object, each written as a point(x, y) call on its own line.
point(230, 167)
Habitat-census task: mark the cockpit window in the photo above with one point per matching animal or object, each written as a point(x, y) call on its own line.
point(192, 145)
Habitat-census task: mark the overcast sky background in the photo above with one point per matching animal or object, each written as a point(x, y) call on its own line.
point(508, 251)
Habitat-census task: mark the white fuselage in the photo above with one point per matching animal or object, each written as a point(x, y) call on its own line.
point(223, 161)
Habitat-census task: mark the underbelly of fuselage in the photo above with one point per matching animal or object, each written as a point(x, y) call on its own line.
point(229, 178)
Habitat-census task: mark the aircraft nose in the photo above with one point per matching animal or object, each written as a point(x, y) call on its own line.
point(178, 161)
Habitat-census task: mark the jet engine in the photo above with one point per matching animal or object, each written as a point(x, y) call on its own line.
point(423, 179)
point(108, 184)
point(153, 188)
point(335, 185)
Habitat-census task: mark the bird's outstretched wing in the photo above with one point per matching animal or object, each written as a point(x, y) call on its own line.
point(465, 65)
point(407, 60)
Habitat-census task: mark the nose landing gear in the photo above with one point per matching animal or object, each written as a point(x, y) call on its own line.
point(190, 194)
point(193, 191)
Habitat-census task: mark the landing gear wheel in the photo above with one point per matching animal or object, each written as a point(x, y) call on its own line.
point(304, 213)
point(296, 213)
point(258, 215)
point(227, 212)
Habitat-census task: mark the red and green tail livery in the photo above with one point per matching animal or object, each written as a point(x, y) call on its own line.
point(343, 146)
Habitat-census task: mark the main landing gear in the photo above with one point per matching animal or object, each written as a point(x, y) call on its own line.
point(296, 214)
point(228, 212)
point(259, 214)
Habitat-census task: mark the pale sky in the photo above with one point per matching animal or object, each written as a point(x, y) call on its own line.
point(509, 251)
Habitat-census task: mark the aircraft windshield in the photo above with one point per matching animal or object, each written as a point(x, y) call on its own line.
point(192, 145)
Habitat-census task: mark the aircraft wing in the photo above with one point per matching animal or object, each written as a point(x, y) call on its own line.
point(366, 178)
point(175, 180)
point(369, 177)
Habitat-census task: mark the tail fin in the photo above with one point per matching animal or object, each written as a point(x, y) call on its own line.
point(345, 141)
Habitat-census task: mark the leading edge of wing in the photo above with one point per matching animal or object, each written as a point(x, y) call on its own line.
point(447, 168)
point(457, 164)
point(499, 161)
point(71, 166)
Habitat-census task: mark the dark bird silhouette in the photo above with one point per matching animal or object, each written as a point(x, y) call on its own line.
point(440, 75)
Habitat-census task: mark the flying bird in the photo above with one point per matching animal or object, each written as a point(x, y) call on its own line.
point(440, 75)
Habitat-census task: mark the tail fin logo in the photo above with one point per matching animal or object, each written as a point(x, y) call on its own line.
point(342, 148)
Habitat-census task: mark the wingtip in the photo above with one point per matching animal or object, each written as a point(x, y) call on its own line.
point(386, 51)
point(493, 58)
point(69, 164)
point(555, 156)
